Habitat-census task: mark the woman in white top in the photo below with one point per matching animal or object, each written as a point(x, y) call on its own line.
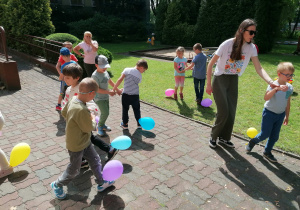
point(89, 48)
point(232, 58)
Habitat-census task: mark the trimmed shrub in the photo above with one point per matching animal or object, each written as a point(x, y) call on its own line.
point(63, 37)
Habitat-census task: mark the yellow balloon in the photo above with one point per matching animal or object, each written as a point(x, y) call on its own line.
point(19, 153)
point(252, 132)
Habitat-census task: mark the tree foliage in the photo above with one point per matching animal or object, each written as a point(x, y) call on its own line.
point(28, 17)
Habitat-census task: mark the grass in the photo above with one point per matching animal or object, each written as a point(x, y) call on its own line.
point(159, 77)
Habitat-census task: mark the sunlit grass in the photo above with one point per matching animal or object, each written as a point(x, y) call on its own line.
point(159, 77)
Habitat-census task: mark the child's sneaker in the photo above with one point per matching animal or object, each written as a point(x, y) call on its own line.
point(270, 157)
point(250, 146)
point(101, 132)
point(111, 155)
point(181, 96)
point(6, 172)
point(58, 107)
point(84, 164)
point(58, 191)
point(106, 128)
point(124, 126)
point(105, 185)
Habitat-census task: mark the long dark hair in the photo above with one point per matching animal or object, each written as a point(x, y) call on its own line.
point(236, 53)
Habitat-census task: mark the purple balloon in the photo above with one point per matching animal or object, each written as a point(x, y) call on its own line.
point(206, 102)
point(112, 170)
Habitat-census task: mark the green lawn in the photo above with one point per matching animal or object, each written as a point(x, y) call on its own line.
point(159, 77)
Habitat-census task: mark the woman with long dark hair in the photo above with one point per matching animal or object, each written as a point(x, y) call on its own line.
point(232, 58)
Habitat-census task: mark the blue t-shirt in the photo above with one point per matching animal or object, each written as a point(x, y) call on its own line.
point(278, 102)
point(181, 65)
point(199, 71)
point(66, 63)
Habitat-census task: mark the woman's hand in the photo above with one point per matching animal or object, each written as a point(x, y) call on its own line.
point(209, 90)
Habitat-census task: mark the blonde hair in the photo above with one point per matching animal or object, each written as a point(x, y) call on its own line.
point(67, 43)
point(180, 49)
point(285, 66)
point(87, 32)
point(88, 84)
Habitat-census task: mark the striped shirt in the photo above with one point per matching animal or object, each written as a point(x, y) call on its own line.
point(131, 82)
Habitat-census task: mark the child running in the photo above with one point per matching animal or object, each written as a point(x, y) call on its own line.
point(79, 125)
point(180, 63)
point(276, 110)
point(130, 94)
point(72, 74)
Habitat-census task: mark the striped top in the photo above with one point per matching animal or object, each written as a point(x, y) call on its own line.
point(131, 82)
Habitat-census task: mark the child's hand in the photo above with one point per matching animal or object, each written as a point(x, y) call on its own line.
point(286, 121)
point(209, 90)
point(112, 93)
point(283, 88)
point(119, 91)
point(92, 117)
point(61, 77)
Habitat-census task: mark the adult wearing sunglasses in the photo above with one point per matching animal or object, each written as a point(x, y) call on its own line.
point(232, 58)
point(89, 48)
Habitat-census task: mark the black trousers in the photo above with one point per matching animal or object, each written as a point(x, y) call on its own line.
point(134, 101)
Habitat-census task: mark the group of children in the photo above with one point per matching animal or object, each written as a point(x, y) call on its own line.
point(81, 102)
point(276, 108)
point(198, 65)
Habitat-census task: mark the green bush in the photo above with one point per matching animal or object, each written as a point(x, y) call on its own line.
point(31, 17)
point(63, 37)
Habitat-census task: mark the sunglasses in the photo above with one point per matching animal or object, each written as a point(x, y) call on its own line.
point(288, 75)
point(86, 92)
point(251, 32)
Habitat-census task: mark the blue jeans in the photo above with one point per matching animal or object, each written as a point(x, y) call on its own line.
point(199, 94)
point(270, 128)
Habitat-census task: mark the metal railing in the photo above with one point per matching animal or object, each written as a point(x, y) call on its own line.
point(3, 47)
point(36, 46)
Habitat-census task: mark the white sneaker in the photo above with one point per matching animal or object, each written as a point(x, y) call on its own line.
point(105, 185)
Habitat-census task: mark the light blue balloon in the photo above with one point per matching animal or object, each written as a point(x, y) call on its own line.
point(121, 142)
point(147, 123)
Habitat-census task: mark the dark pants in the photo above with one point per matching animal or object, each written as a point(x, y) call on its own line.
point(89, 69)
point(199, 83)
point(225, 91)
point(270, 128)
point(134, 101)
point(99, 143)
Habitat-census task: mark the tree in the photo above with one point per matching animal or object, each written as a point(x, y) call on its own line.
point(267, 17)
point(161, 10)
point(29, 17)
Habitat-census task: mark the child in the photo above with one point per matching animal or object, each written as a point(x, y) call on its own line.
point(102, 78)
point(199, 71)
point(66, 56)
point(5, 168)
point(276, 110)
point(79, 125)
point(72, 74)
point(130, 95)
point(61, 60)
point(179, 73)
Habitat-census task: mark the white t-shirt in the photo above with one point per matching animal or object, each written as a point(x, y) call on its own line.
point(278, 102)
point(230, 67)
point(89, 54)
point(131, 82)
point(73, 91)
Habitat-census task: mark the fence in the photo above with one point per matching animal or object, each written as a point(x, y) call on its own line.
point(36, 46)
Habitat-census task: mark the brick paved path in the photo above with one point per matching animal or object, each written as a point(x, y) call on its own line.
point(169, 167)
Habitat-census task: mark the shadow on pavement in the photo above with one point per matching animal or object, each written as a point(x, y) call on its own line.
point(61, 125)
point(126, 168)
point(137, 141)
point(15, 176)
point(253, 182)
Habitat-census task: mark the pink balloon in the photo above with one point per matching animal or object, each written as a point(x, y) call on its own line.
point(112, 170)
point(206, 102)
point(169, 92)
